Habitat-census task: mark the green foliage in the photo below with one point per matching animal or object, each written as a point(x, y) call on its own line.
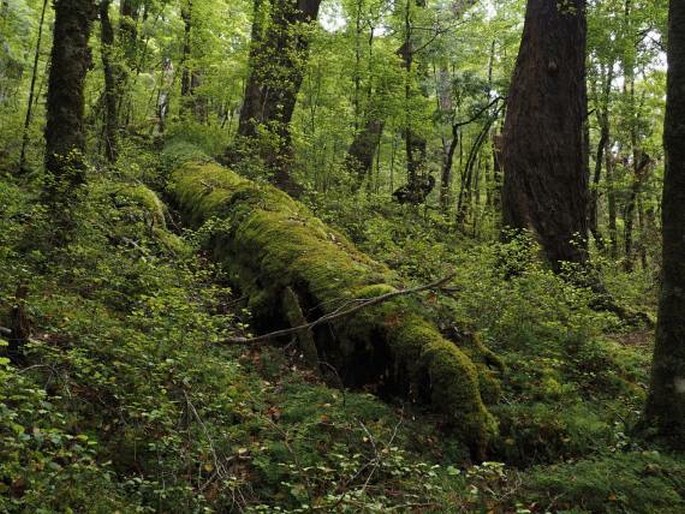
point(260, 224)
point(646, 482)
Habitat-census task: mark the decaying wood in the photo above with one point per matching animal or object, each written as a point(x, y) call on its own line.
point(363, 321)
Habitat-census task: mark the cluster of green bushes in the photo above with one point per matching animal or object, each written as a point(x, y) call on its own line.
point(130, 401)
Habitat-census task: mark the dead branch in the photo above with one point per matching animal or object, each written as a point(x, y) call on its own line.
point(338, 313)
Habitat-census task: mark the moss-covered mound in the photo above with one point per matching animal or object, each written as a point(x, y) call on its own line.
point(274, 247)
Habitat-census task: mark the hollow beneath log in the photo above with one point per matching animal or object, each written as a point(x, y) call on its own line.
point(274, 246)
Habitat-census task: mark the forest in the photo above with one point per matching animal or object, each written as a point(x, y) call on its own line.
point(342, 256)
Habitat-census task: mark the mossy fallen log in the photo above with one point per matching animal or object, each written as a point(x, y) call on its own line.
point(277, 249)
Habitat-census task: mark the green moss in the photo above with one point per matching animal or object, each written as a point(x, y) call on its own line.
point(633, 482)
point(272, 243)
point(146, 199)
point(172, 243)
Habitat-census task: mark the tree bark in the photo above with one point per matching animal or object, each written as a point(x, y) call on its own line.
point(32, 89)
point(64, 131)
point(111, 128)
point(277, 62)
point(602, 150)
point(359, 158)
point(545, 181)
point(612, 206)
point(128, 29)
point(187, 16)
point(640, 173)
point(665, 407)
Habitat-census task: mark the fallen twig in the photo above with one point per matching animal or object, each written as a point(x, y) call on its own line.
point(338, 313)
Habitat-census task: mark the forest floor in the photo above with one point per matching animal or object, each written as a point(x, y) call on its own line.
point(130, 400)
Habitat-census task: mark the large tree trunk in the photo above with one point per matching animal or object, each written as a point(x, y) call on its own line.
point(276, 249)
point(277, 61)
point(545, 181)
point(64, 132)
point(666, 400)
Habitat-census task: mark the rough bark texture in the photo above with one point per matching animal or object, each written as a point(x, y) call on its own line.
point(546, 184)
point(273, 246)
point(70, 60)
point(359, 158)
point(666, 401)
point(277, 61)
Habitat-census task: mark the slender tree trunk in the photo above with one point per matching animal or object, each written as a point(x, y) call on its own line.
point(642, 225)
point(497, 175)
point(186, 15)
point(640, 173)
point(128, 36)
point(446, 175)
point(190, 76)
point(665, 407)
point(111, 128)
point(545, 181)
point(612, 206)
point(602, 150)
point(128, 29)
point(64, 131)
point(463, 203)
point(415, 143)
point(32, 89)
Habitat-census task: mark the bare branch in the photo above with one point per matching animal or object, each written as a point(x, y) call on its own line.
point(338, 314)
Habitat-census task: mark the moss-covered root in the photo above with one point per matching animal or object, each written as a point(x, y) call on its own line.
point(272, 244)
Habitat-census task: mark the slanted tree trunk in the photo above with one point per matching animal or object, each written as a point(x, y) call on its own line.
point(545, 179)
point(64, 131)
point(32, 88)
point(277, 61)
point(111, 125)
point(275, 248)
point(665, 407)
